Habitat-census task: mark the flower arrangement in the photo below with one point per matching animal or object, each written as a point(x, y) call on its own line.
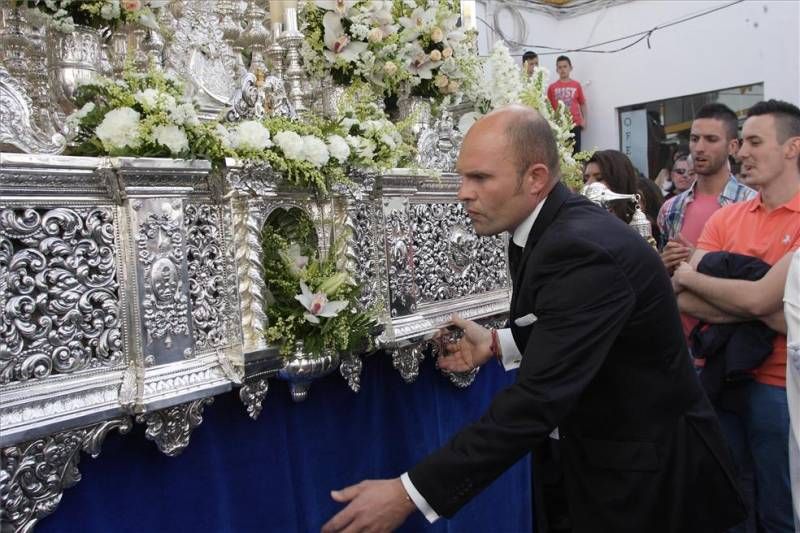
point(138, 115)
point(509, 85)
point(399, 47)
point(310, 300)
point(148, 115)
point(64, 15)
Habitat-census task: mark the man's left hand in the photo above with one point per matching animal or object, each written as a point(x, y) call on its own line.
point(374, 506)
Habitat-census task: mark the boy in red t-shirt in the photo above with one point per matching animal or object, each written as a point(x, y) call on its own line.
point(570, 92)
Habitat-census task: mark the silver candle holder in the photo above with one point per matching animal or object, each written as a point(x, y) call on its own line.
point(292, 40)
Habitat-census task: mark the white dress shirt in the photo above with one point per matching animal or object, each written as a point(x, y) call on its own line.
point(509, 354)
point(791, 306)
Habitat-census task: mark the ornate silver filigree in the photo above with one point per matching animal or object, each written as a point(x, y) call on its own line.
point(172, 427)
point(200, 55)
point(165, 309)
point(438, 146)
point(206, 268)
point(17, 127)
point(60, 294)
point(247, 232)
point(450, 260)
point(350, 368)
point(35, 473)
point(257, 97)
point(402, 289)
point(406, 360)
point(252, 395)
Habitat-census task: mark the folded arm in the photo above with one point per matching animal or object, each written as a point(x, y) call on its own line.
point(748, 300)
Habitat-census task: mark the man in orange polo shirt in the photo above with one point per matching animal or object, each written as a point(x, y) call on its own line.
point(768, 228)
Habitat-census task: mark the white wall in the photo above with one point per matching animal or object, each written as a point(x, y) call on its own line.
point(750, 42)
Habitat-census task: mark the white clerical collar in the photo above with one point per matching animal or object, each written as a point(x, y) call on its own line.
point(520, 235)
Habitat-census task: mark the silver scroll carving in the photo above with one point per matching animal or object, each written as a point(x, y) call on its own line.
point(450, 260)
point(206, 268)
point(17, 127)
point(163, 292)
point(59, 298)
point(402, 289)
point(172, 427)
point(350, 369)
point(406, 360)
point(35, 473)
point(252, 394)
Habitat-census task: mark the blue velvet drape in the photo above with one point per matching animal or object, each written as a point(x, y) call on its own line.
point(275, 474)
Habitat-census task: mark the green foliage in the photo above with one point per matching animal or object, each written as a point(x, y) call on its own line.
point(349, 330)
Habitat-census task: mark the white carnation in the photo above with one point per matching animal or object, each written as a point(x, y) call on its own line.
point(224, 135)
point(315, 150)
point(147, 98)
point(184, 114)
point(364, 148)
point(290, 143)
point(388, 141)
point(172, 137)
point(119, 128)
point(338, 148)
point(250, 135)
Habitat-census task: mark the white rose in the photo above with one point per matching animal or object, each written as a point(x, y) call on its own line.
point(453, 86)
point(250, 135)
point(436, 55)
point(375, 35)
point(119, 128)
point(389, 68)
point(338, 148)
point(315, 150)
point(290, 143)
point(437, 35)
point(172, 137)
point(447, 53)
point(441, 81)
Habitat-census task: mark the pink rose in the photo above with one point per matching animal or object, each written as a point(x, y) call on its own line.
point(131, 5)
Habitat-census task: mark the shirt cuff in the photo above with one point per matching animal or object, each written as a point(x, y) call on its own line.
point(418, 500)
point(509, 353)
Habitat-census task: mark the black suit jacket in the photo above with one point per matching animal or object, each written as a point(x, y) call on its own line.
point(606, 363)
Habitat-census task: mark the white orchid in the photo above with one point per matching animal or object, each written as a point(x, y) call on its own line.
point(338, 43)
point(317, 304)
point(421, 64)
point(420, 20)
point(342, 7)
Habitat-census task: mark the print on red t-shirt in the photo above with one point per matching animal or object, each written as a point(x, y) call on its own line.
point(571, 93)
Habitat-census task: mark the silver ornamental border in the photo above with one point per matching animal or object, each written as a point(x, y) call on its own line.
point(147, 274)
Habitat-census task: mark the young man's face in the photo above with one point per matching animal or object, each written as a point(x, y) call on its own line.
point(710, 146)
point(564, 69)
point(531, 64)
point(763, 158)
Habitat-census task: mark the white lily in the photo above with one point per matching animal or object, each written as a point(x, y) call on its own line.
point(337, 42)
point(317, 304)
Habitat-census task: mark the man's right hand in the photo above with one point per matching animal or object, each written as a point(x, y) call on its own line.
point(472, 350)
point(674, 253)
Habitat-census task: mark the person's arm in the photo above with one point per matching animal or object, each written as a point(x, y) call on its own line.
point(744, 298)
point(583, 302)
point(693, 305)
